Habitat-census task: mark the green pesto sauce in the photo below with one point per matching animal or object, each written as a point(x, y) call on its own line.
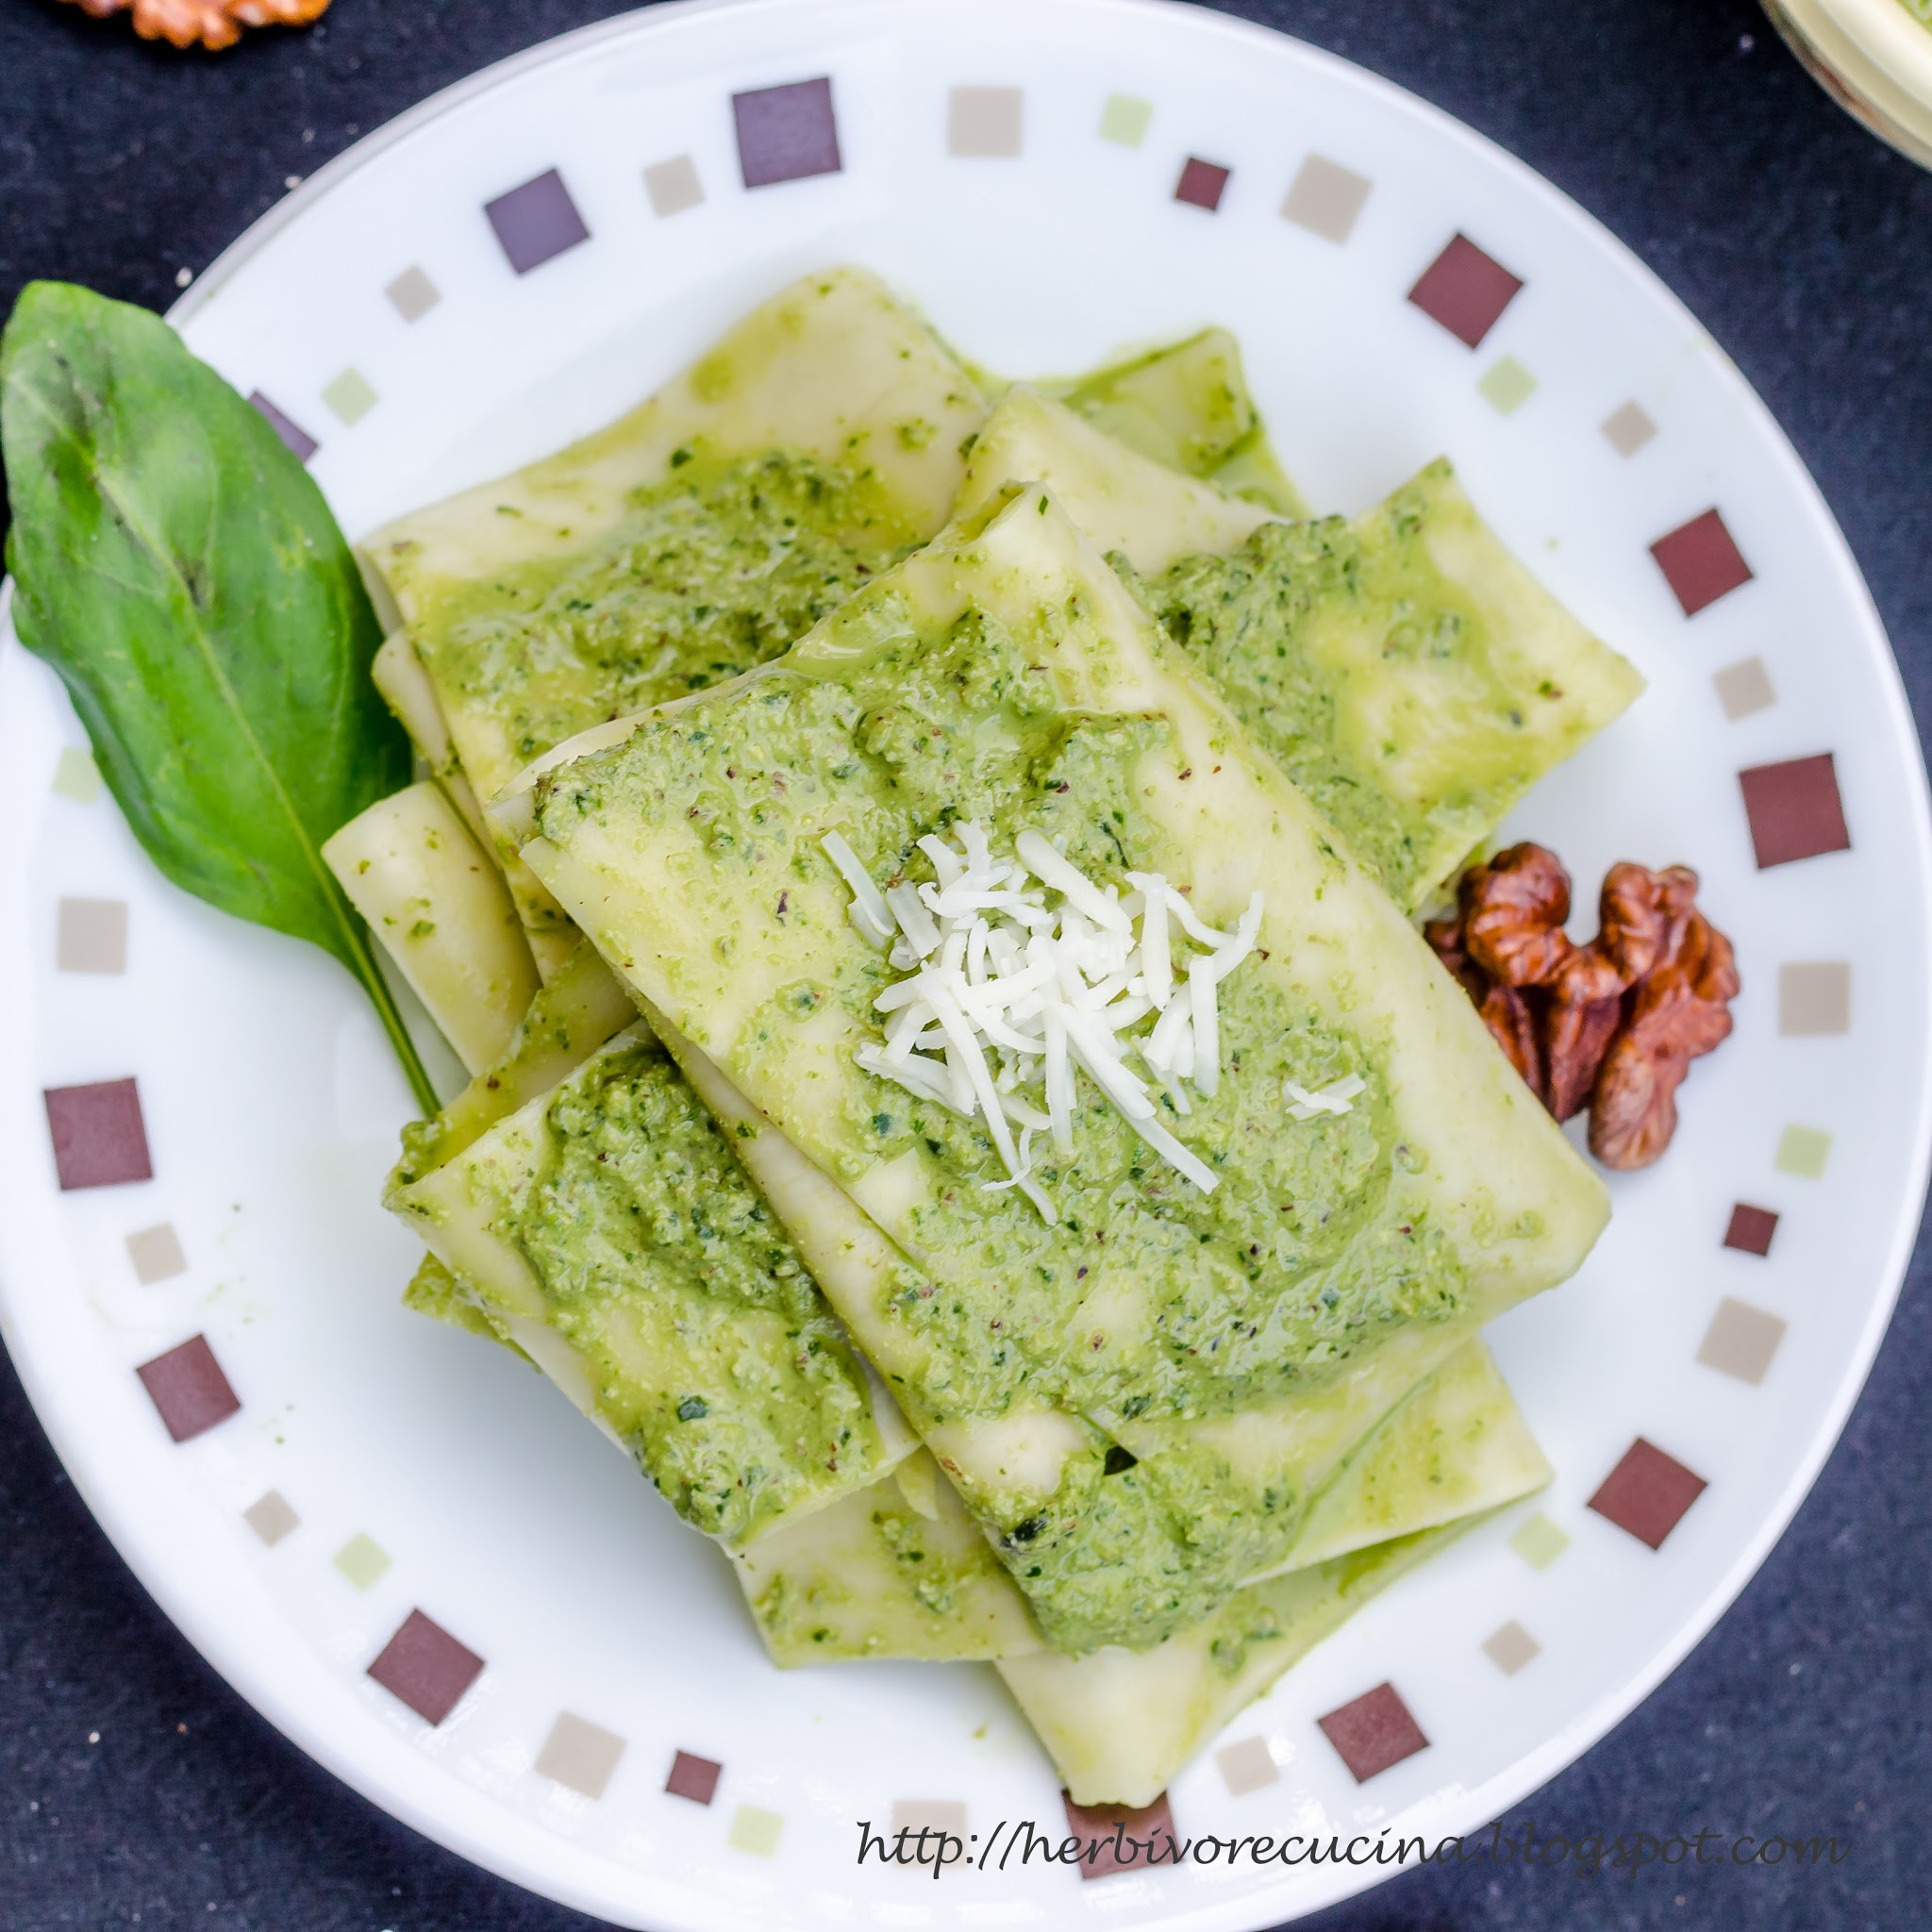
point(1149, 1301)
point(1188, 406)
point(916, 1580)
point(718, 568)
point(710, 1351)
point(1313, 632)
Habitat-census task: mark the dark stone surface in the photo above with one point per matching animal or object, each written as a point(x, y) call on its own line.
point(1806, 249)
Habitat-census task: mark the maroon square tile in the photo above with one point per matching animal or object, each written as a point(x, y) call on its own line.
point(1647, 1493)
point(1109, 1830)
point(189, 1388)
point(691, 1777)
point(100, 1139)
point(1202, 184)
point(298, 438)
point(536, 222)
point(1700, 562)
point(1374, 1732)
point(786, 133)
point(1750, 1229)
point(1465, 289)
point(427, 1668)
point(1795, 809)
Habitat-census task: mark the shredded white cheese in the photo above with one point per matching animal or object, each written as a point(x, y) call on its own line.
point(1337, 1097)
point(1006, 1000)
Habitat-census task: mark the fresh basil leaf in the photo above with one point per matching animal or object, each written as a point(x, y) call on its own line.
point(178, 568)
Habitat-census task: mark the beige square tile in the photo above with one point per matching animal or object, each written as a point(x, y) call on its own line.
point(1628, 429)
point(1511, 1648)
point(412, 294)
point(929, 1814)
point(581, 1754)
point(673, 185)
point(1327, 198)
point(1814, 996)
point(91, 936)
point(1741, 1340)
point(1247, 1765)
point(271, 1518)
point(156, 1253)
point(984, 122)
point(1743, 688)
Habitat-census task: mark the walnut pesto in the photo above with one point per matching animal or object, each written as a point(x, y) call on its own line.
point(1413, 699)
point(820, 381)
point(1147, 1299)
point(611, 1218)
point(714, 569)
point(1236, 1344)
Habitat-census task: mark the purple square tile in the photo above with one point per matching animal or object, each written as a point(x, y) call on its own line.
point(1109, 1829)
point(298, 438)
point(1373, 1732)
point(536, 222)
point(1750, 1229)
point(189, 1388)
point(694, 1777)
point(1202, 184)
point(1795, 809)
point(1466, 291)
point(786, 133)
point(1700, 562)
point(100, 1139)
point(427, 1668)
point(1647, 1493)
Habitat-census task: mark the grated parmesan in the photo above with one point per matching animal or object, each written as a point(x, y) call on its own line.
point(1006, 1000)
point(1337, 1097)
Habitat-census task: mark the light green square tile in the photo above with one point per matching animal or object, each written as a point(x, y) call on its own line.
point(1124, 119)
point(361, 1559)
point(76, 776)
point(1803, 1151)
point(1540, 1542)
point(350, 396)
point(1506, 386)
point(756, 1832)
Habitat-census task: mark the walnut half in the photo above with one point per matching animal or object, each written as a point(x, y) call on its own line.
point(212, 24)
point(1612, 1025)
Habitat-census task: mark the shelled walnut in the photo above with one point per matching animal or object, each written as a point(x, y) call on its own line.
point(1612, 1025)
point(212, 24)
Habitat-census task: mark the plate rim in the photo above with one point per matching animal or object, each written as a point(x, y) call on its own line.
point(492, 1850)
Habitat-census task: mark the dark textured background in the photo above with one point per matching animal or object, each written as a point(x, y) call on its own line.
point(1804, 247)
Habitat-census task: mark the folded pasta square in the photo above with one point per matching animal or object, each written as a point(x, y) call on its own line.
point(1186, 405)
point(901, 1569)
point(1140, 1394)
point(606, 1230)
point(1405, 671)
point(690, 540)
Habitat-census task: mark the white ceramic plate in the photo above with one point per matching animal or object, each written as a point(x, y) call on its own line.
point(379, 310)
